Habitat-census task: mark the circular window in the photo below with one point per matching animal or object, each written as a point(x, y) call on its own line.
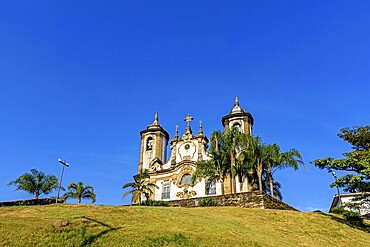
point(187, 146)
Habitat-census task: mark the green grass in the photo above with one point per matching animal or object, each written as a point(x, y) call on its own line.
point(91, 225)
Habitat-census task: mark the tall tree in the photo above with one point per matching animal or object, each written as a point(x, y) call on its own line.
point(260, 155)
point(246, 158)
point(79, 191)
point(36, 183)
point(231, 156)
point(138, 187)
point(215, 169)
point(357, 162)
point(238, 154)
point(278, 160)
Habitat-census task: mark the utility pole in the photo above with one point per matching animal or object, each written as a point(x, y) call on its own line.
point(64, 163)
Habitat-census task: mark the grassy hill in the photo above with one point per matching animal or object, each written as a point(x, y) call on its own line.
point(90, 225)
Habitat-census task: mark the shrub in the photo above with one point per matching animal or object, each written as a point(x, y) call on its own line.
point(207, 202)
point(338, 210)
point(354, 218)
point(153, 203)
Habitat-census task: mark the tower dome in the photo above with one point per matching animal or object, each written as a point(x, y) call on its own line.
point(238, 118)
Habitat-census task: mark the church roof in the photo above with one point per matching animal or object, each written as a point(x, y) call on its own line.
point(236, 108)
point(237, 111)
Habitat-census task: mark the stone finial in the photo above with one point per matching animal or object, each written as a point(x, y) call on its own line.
point(177, 132)
point(200, 128)
point(236, 108)
point(236, 101)
point(156, 119)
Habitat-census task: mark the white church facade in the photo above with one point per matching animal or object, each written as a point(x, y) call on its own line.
point(173, 176)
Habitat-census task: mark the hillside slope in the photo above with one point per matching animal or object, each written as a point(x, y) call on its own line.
point(160, 226)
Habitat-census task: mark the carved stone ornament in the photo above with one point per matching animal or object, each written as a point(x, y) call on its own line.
point(186, 194)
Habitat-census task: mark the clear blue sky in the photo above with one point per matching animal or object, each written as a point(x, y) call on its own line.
point(80, 80)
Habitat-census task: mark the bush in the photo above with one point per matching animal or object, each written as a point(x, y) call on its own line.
point(338, 210)
point(153, 203)
point(207, 202)
point(354, 218)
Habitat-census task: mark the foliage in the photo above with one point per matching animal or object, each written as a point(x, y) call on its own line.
point(154, 203)
point(357, 162)
point(36, 183)
point(352, 218)
point(338, 210)
point(207, 202)
point(234, 154)
point(79, 191)
point(139, 187)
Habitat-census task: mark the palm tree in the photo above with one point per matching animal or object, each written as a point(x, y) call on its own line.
point(79, 191)
point(231, 155)
point(277, 160)
point(231, 149)
point(277, 187)
point(36, 183)
point(139, 187)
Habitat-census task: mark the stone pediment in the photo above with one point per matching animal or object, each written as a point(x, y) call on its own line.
point(155, 165)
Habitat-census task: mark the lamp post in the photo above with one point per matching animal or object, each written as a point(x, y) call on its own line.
point(64, 163)
point(335, 177)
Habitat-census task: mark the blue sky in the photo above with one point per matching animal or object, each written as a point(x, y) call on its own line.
point(80, 80)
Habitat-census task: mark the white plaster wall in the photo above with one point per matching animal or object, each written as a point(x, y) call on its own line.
point(181, 152)
point(365, 209)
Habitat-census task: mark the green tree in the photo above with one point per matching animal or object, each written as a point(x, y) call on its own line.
point(357, 162)
point(229, 158)
point(277, 160)
point(260, 158)
point(79, 191)
point(138, 187)
point(232, 147)
point(36, 183)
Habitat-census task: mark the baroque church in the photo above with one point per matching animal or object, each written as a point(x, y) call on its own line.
point(173, 176)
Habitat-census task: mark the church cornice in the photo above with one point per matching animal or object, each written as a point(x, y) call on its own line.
point(173, 168)
point(236, 115)
point(154, 129)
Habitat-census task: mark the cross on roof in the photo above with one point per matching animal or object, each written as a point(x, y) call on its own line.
point(188, 119)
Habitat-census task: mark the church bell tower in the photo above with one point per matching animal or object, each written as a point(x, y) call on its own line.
point(238, 118)
point(154, 141)
point(244, 122)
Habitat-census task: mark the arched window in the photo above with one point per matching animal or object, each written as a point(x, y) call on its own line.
point(237, 125)
point(149, 143)
point(186, 179)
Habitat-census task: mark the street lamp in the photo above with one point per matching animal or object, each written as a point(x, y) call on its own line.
point(64, 163)
point(335, 177)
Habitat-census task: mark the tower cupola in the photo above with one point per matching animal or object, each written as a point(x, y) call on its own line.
point(238, 118)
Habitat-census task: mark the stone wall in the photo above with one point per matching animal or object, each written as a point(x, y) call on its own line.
point(43, 201)
point(253, 199)
point(273, 203)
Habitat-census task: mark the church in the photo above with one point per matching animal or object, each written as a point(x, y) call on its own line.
point(173, 176)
